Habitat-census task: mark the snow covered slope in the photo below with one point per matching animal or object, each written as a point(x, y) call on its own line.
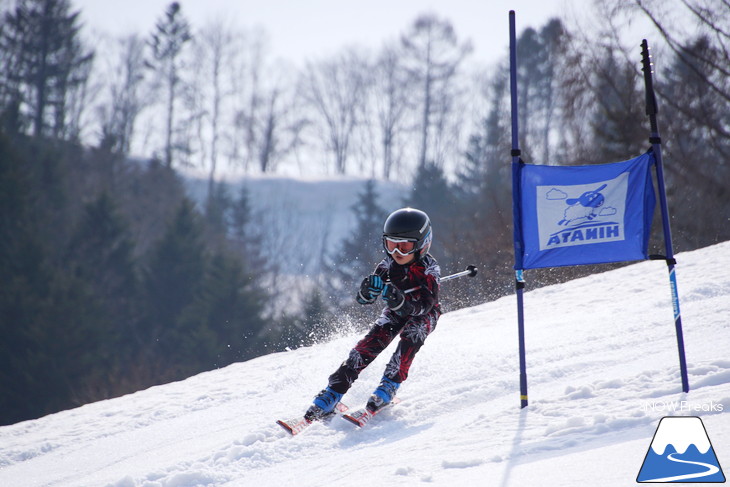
point(602, 369)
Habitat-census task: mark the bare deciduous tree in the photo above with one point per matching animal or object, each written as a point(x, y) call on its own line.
point(335, 90)
point(391, 91)
point(433, 55)
point(281, 123)
point(128, 96)
point(216, 55)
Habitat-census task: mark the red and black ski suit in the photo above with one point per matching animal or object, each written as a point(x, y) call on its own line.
point(413, 328)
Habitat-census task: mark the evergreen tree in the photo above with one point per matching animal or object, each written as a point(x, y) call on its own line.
point(217, 211)
point(695, 118)
point(24, 273)
point(554, 42)
point(541, 56)
point(101, 255)
point(433, 194)
point(618, 124)
point(54, 348)
point(150, 195)
point(483, 210)
point(486, 148)
point(528, 75)
point(315, 324)
point(245, 234)
point(41, 40)
point(66, 359)
point(241, 214)
point(171, 35)
point(226, 316)
point(358, 254)
point(173, 280)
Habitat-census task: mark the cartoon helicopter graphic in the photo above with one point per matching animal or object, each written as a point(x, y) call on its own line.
point(583, 208)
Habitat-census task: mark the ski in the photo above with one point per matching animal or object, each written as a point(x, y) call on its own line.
point(362, 416)
point(297, 425)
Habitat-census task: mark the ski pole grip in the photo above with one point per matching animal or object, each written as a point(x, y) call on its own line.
point(470, 271)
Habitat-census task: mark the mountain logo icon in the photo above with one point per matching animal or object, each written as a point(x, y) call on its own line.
point(681, 452)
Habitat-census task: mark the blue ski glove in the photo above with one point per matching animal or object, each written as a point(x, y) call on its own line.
point(370, 289)
point(396, 300)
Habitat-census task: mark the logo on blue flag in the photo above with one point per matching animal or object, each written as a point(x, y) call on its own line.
point(574, 215)
point(681, 452)
point(581, 214)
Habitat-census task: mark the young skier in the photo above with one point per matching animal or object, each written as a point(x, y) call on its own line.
point(407, 265)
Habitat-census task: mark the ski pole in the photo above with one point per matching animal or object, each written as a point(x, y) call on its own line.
point(470, 271)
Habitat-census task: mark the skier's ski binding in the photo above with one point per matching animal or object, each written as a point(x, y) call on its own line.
point(323, 406)
point(383, 395)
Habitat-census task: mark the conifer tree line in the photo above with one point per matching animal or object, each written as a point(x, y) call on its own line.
point(113, 279)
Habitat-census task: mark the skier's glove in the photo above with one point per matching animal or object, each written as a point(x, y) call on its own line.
point(396, 300)
point(370, 289)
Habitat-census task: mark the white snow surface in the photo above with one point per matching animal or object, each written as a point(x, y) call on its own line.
point(602, 365)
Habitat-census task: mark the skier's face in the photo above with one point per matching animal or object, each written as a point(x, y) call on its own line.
point(402, 250)
point(403, 259)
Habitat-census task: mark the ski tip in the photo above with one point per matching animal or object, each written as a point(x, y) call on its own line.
point(293, 427)
point(296, 426)
point(352, 420)
point(361, 417)
point(285, 426)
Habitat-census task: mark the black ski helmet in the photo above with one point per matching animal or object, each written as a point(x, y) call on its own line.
point(409, 224)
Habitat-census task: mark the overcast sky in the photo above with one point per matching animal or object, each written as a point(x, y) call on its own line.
point(308, 29)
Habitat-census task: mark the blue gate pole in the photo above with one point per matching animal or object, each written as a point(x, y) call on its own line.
point(519, 278)
point(651, 111)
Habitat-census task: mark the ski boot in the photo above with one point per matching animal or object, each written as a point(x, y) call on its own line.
point(383, 395)
point(323, 406)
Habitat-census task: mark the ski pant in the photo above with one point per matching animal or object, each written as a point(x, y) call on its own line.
point(413, 332)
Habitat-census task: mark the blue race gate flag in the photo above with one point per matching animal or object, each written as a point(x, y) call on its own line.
point(576, 215)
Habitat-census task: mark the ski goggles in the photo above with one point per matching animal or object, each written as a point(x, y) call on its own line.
point(401, 245)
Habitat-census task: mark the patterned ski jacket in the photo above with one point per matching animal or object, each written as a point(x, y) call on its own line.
point(423, 274)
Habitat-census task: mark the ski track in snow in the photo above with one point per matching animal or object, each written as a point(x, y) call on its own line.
point(599, 350)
